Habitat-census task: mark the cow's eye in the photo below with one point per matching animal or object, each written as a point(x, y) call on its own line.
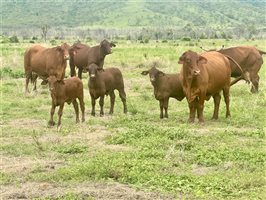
point(188, 60)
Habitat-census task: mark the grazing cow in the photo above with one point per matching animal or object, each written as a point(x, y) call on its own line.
point(62, 91)
point(82, 55)
point(43, 62)
point(203, 76)
point(104, 82)
point(165, 86)
point(250, 60)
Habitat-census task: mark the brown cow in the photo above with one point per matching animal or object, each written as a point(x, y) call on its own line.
point(203, 76)
point(62, 91)
point(250, 60)
point(165, 86)
point(43, 62)
point(104, 82)
point(82, 55)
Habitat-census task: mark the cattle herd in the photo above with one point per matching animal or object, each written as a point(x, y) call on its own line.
point(202, 76)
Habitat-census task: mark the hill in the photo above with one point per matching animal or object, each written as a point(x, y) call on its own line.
point(126, 13)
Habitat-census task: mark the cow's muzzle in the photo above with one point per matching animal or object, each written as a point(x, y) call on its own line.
point(66, 57)
point(196, 72)
point(92, 75)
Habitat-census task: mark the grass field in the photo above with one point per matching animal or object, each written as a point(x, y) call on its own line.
point(133, 156)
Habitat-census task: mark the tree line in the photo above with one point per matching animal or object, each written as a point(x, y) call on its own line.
point(187, 32)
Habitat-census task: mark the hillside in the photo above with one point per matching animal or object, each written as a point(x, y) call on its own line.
point(126, 13)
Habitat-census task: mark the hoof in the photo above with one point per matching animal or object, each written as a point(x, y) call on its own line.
point(51, 123)
point(190, 120)
point(58, 128)
point(93, 114)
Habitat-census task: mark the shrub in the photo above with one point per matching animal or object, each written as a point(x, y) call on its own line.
point(14, 39)
point(53, 42)
point(186, 39)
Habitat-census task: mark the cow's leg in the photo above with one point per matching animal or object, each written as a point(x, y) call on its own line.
point(200, 106)
point(51, 121)
point(165, 105)
point(34, 81)
point(93, 101)
point(82, 108)
point(112, 100)
point(216, 100)
point(35, 85)
point(72, 67)
point(255, 82)
point(60, 112)
point(101, 102)
point(227, 100)
point(76, 107)
point(161, 108)
point(123, 97)
point(192, 111)
point(28, 76)
point(80, 73)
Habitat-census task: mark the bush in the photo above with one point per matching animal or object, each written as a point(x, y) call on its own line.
point(53, 42)
point(186, 39)
point(34, 38)
point(8, 72)
point(5, 39)
point(14, 39)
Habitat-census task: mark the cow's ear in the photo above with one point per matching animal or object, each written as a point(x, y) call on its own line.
point(59, 48)
point(202, 60)
point(181, 60)
point(161, 73)
point(73, 50)
point(112, 44)
point(144, 72)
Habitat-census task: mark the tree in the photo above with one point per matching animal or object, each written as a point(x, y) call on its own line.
point(44, 29)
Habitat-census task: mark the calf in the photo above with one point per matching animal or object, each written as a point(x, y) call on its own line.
point(82, 55)
point(62, 91)
point(203, 76)
point(165, 86)
point(104, 82)
point(42, 62)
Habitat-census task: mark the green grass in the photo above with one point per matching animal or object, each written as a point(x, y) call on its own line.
point(223, 159)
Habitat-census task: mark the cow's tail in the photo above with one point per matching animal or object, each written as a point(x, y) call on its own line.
point(244, 75)
point(27, 68)
point(261, 52)
point(230, 58)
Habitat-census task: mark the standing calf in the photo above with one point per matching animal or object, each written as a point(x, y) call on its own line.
point(165, 86)
point(65, 91)
point(104, 82)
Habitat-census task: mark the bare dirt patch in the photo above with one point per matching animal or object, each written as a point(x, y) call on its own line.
point(23, 165)
point(103, 191)
point(27, 123)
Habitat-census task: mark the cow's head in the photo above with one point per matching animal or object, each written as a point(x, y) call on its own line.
point(93, 70)
point(106, 47)
point(191, 61)
point(64, 50)
point(52, 82)
point(154, 73)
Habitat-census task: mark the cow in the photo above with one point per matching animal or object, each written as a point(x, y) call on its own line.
point(203, 76)
point(82, 55)
point(104, 82)
point(62, 91)
point(42, 62)
point(250, 60)
point(164, 87)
